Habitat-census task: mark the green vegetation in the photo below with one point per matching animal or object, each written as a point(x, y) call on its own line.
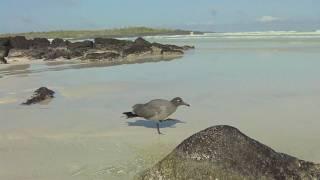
point(87, 34)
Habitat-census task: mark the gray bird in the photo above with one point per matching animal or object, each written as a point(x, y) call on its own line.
point(157, 110)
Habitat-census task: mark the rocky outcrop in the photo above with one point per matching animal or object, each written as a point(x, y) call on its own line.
point(19, 42)
point(102, 56)
point(111, 44)
point(4, 41)
point(80, 45)
point(30, 54)
point(18, 53)
point(40, 95)
point(142, 42)
point(57, 42)
point(224, 153)
point(171, 49)
point(136, 49)
point(55, 53)
point(4, 51)
point(78, 49)
point(139, 47)
point(186, 47)
point(39, 43)
point(19, 48)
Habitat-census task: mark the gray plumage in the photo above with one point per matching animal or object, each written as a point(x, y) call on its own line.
point(156, 110)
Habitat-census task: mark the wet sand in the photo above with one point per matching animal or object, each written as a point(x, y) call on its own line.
point(272, 96)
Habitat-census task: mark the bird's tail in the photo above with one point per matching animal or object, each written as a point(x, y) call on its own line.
point(130, 114)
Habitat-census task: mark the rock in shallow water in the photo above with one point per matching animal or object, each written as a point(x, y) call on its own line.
point(58, 42)
point(59, 52)
point(4, 51)
point(40, 95)
point(19, 42)
point(223, 152)
point(19, 48)
point(102, 56)
point(111, 44)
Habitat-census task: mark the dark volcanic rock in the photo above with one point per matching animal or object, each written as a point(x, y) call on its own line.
point(39, 43)
point(77, 53)
point(19, 48)
point(168, 49)
point(224, 153)
point(136, 49)
point(78, 49)
point(3, 60)
point(111, 44)
point(30, 54)
point(57, 42)
point(37, 53)
point(142, 42)
point(39, 95)
point(139, 46)
point(4, 51)
point(54, 53)
point(102, 56)
point(35, 48)
point(171, 52)
point(20, 42)
point(4, 41)
point(80, 45)
point(187, 47)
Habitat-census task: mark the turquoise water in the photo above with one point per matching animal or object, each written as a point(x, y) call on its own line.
point(269, 88)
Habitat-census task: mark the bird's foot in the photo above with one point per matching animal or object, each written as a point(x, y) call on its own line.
point(158, 128)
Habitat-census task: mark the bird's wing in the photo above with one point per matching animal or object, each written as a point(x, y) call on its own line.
point(160, 105)
point(154, 108)
point(158, 102)
point(137, 106)
point(143, 110)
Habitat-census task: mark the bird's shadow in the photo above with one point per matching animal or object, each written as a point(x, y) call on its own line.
point(151, 124)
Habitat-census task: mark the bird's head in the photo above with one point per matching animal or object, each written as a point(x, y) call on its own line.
point(177, 101)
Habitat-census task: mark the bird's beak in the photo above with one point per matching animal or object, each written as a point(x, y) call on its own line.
point(186, 104)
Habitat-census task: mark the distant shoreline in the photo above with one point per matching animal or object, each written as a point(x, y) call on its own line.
point(103, 33)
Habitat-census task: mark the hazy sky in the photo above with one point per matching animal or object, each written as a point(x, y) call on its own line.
point(213, 15)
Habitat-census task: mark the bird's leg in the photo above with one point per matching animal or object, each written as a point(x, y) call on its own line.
point(158, 128)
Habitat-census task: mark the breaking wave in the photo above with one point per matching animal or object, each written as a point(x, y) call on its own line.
point(246, 35)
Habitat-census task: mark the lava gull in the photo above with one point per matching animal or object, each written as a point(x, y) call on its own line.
point(157, 110)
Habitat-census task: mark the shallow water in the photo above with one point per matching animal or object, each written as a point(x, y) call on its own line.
point(268, 88)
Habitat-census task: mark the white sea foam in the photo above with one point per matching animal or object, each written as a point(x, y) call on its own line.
point(245, 35)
